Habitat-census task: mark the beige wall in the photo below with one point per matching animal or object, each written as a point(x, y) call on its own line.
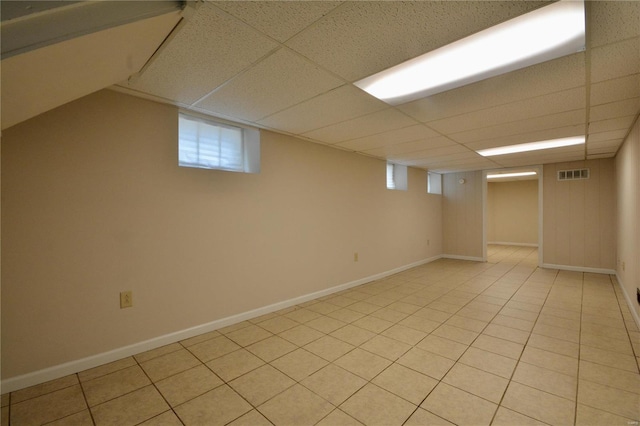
point(462, 214)
point(628, 214)
point(94, 204)
point(579, 216)
point(512, 212)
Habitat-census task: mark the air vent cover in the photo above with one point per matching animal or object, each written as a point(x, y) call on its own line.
point(573, 174)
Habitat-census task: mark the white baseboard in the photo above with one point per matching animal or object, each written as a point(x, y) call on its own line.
point(61, 370)
point(457, 257)
point(629, 300)
point(504, 243)
point(579, 269)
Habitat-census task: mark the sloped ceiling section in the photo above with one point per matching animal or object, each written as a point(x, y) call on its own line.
point(55, 52)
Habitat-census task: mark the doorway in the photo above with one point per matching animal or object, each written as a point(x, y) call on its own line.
point(512, 219)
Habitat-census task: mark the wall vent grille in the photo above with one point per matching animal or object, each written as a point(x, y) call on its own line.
point(573, 174)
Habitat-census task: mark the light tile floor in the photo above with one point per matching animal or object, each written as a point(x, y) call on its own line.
point(450, 342)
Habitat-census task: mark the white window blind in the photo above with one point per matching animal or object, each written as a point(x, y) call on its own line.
point(210, 145)
point(396, 176)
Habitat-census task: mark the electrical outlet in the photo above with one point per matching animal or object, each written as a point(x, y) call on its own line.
point(126, 299)
point(355, 257)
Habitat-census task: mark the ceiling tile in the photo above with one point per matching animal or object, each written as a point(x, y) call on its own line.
point(606, 136)
point(393, 137)
point(361, 38)
point(615, 109)
point(611, 124)
point(613, 21)
point(371, 124)
point(279, 81)
point(522, 126)
point(190, 66)
point(413, 146)
point(615, 60)
point(439, 153)
point(278, 19)
point(545, 78)
point(535, 107)
point(338, 105)
point(597, 156)
point(615, 90)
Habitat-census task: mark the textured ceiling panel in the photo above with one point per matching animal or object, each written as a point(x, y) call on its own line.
point(555, 158)
point(615, 90)
point(615, 109)
point(522, 126)
point(338, 105)
point(378, 122)
point(362, 38)
point(202, 56)
point(413, 146)
point(280, 81)
point(535, 107)
point(411, 133)
point(611, 124)
point(567, 73)
point(278, 19)
point(439, 153)
point(615, 60)
point(614, 21)
point(607, 136)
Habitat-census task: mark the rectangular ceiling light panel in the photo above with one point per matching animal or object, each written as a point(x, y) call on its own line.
point(510, 175)
point(541, 35)
point(532, 146)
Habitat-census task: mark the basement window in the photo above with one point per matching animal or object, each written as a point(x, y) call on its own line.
point(207, 144)
point(396, 176)
point(434, 183)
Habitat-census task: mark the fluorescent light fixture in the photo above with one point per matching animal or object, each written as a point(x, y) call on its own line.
point(508, 175)
point(531, 146)
point(541, 35)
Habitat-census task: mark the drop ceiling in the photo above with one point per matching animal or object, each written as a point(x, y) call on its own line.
point(290, 67)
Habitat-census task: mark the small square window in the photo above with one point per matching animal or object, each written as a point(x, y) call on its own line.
point(396, 176)
point(434, 183)
point(207, 144)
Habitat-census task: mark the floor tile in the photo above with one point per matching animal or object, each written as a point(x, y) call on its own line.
point(507, 333)
point(323, 308)
point(458, 406)
point(433, 315)
point(334, 384)
point(199, 338)
point(615, 401)
point(418, 323)
point(106, 369)
point(44, 388)
point(168, 418)
point(427, 363)
point(456, 334)
point(518, 313)
point(278, 324)
point(506, 417)
point(606, 343)
point(363, 363)
point(154, 353)
point(608, 376)
point(234, 364)
point(550, 360)
point(130, 409)
point(466, 323)
point(538, 404)
point(338, 418)
point(169, 364)
point(373, 324)
point(113, 385)
point(517, 323)
point(296, 406)
point(252, 418)
point(489, 362)
point(551, 344)
point(422, 417)
point(249, 335)
point(478, 382)
point(405, 383)
point(386, 347)
point(271, 348)
point(498, 346)
point(188, 385)
point(301, 335)
point(329, 348)
point(404, 334)
point(546, 380)
point(588, 416)
point(325, 324)
point(373, 405)
point(83, 418)
point(299, 364)
point(345, 315)
point(216, 407)
point(213, 348)
point(261, 384)
point(353, 335)
point(443, 347)
point(565, 334)
point(48, 407)
point(302, 315)
point(390, 315)
point(608, 358)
